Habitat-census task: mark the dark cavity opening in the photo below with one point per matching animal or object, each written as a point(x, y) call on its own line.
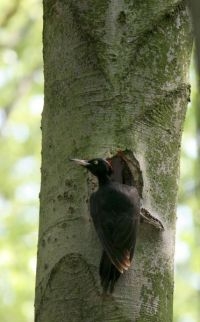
point(126, 170)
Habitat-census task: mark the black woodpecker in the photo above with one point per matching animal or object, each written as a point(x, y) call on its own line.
point(115, 210)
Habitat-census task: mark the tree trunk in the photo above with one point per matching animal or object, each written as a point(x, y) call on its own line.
point(195, 12)
point(116, 76)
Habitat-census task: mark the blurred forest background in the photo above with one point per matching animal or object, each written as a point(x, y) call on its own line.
point(21, 102)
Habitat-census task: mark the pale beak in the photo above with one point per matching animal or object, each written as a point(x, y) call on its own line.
point(81, 162)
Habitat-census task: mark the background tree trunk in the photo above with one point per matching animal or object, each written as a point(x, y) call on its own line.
point(195, 11)
point(116, 76)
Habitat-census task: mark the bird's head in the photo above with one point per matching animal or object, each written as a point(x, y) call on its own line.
point(98, 167)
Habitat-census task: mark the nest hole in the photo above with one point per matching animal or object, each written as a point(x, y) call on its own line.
point(126, 170)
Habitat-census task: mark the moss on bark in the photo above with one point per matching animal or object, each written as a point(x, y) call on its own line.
point(115, 78)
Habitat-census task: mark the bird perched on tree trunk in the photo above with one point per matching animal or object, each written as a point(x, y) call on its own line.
point(115, 210)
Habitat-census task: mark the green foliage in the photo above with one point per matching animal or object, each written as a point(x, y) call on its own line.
point(21, 101)
point(187, 273)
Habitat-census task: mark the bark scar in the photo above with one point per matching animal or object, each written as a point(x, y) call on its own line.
point(146, 217)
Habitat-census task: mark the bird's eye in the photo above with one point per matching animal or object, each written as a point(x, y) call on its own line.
point(96, 162)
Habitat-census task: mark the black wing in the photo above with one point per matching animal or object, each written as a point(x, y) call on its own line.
point(115, 215)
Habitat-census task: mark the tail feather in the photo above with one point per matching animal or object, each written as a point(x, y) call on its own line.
point(108, 274)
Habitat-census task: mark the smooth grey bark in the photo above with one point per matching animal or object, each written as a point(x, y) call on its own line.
point(116, 77)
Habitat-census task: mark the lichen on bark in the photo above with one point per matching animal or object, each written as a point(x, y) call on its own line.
point(115, 78)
